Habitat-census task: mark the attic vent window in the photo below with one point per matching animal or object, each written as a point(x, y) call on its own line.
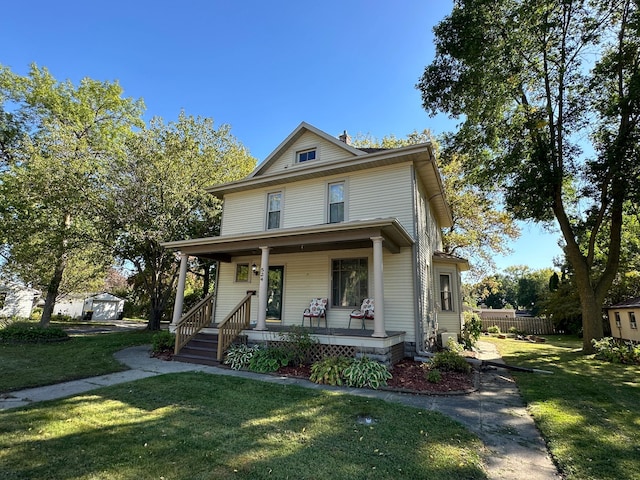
point(307, 155)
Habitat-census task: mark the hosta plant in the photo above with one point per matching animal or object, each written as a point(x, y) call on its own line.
point(270, 359)
point(239, 356)
point(329, 370)
point(364, 372)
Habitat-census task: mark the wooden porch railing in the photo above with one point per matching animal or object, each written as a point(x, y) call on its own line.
point(193, 321)
point(236, 321)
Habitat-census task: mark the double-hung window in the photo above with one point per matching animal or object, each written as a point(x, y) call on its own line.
point(349, 281)
point(632, 320)
point(336, 202)
point(618, 322)
point(274, 210)
point(446, 298)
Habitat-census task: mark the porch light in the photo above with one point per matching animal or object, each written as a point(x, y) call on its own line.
point(254, 269)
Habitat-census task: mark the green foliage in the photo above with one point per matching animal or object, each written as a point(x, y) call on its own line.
point(454, 346)
point(471, 329)
point(450, 361)
point(364, 372)
point(239, 356)
point(163, 341)
point(329, 370)
point(298, 342)
point(434, 375)
point(493, 329)
point(25, 332)
point(617, 352)
point(266, 360)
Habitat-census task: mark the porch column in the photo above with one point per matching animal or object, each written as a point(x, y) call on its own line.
point(263, 291)
point(177, 306)
point(378, 289)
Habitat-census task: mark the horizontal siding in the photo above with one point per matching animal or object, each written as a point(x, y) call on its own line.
point(308, 275)
point(381, 193)
point(326, 152)
point(243, 212)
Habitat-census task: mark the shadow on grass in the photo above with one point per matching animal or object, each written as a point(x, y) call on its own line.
point(190, 426)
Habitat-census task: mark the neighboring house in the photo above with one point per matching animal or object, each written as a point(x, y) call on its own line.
point(17, 300)
point(486, 313)
point(322, 219)
point(623, 318)
point(103, 306)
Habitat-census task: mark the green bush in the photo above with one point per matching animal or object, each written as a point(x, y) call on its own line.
point(239, 356)
point(450, 361)
point(364, 372)
point(329, 370)
point(471, 330)
point(25, 332)
point(298, 343)
point(494, 329)
point(266, 360)
point(454, 346)
point(434, 376)
point(163, 341)
point(610, 350)
point(36, 314)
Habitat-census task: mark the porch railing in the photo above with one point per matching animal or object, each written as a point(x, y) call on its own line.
point(236, 321)
point(193, 321)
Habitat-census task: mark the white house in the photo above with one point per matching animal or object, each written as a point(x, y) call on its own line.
point(624, 318)
point(17, 300)
point(319, 218)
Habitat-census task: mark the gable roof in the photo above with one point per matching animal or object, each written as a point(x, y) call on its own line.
point(295, 135)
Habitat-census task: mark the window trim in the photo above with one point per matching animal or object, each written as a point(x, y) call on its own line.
point(632, 321)
point(268, 211)
point(617, 319)
point(367, 262)
point(328, 200)
point(235, 277)
point(451, 308)
point(306, 150)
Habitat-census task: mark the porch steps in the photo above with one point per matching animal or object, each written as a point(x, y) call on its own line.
point(202, 349)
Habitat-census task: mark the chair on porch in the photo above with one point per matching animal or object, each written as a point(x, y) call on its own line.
point(365, 312)
point(317, 309)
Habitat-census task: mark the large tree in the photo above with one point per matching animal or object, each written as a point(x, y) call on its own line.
point(58, 143)
point(480, 230)
point(158, 195)
point(548, 93)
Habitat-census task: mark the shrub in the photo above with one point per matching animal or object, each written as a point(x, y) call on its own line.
point(454, 346)
point(610, 350)
point(239, 356)
point(493, 329)
point(163, 341)
point(36, 314)
point(364, 372)
point(329, 370)
point(471, 330)
point(450, 361)
point(434, 376)
point(266, 360)
point(298, 343)
point(25, 332)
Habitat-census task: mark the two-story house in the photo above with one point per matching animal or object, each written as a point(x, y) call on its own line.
point(319, 218)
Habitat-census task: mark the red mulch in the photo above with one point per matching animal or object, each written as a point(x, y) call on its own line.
point(408, 375)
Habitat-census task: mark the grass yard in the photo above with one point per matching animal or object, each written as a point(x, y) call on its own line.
point(32, 365)
point(588, 411)
point(200, 426)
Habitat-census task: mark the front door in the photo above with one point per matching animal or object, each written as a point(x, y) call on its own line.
point(274, 298)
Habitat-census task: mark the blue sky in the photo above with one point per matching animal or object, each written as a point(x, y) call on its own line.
point(260, 66)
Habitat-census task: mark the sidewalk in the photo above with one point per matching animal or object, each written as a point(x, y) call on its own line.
point(495, 412)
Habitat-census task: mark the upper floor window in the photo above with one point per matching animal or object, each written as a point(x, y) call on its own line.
point(306, 155)
point(446, 298)
point(274, 209)
point(632, 320)
point(336, 202)
point(618, 323)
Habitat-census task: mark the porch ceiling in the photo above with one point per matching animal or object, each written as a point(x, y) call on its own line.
point(335, 236)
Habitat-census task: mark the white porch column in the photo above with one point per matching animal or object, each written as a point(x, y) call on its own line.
point(177, 306)
point(378, 289)
point(263, 291)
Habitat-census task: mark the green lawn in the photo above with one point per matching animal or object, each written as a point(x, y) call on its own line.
point(32, 365)
point(202, 426)
point(588, 411)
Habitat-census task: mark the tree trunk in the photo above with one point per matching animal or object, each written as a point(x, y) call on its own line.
point(591, 319)
point(52, 292)
point(206, 279)
point(155, 316)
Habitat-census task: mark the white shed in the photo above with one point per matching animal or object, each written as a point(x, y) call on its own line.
point(104, 306)
point(17, 300)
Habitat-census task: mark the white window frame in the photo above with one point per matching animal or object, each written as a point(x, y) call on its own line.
point(617, 318)
point(238, 266)
point(442, 292)
point(306, 151)
point(269, 211)
point(344, 200)
point(632, 320)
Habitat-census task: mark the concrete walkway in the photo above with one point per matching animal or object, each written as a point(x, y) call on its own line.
point(495, 412)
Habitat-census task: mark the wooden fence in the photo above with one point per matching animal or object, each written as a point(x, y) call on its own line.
point(525, 325)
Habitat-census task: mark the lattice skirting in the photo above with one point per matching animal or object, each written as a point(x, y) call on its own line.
point(390, 355)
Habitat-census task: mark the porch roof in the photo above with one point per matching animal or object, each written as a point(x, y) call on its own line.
point(332, 236)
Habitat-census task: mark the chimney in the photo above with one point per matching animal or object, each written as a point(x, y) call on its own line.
point(345, 138)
